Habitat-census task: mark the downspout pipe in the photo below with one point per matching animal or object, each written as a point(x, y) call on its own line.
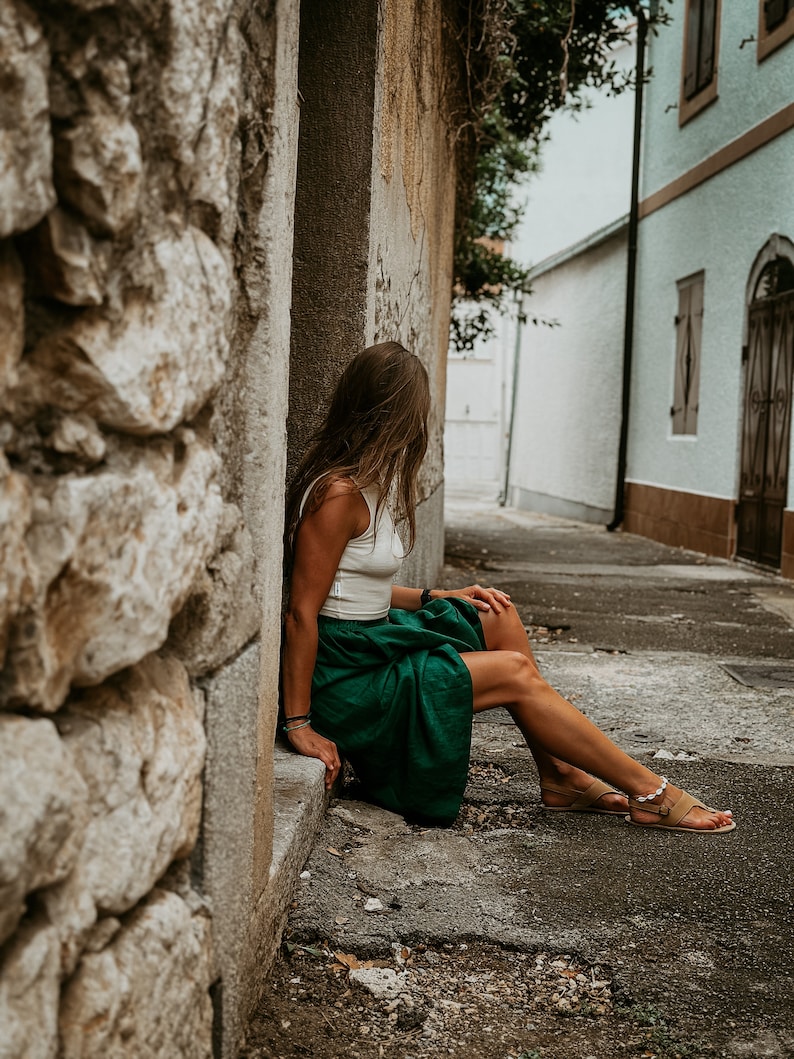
point(513, 398)
point(631, 272)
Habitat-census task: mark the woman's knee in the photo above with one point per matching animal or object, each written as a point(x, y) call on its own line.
point(500, 625)
point(518, 670)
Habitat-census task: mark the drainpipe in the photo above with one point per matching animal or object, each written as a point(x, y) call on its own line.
point(513, 396)
point(631, 272)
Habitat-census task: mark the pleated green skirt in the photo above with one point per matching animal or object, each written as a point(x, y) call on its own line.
point(396, 698)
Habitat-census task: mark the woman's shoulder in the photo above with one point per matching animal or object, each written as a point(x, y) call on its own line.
point(340, 492)
point(340, 485)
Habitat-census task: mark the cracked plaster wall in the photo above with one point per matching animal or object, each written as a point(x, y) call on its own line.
point(375, 215)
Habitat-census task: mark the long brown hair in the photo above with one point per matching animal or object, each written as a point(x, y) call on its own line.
point(375, 432)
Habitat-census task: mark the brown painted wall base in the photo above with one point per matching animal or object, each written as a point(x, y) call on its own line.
point(787, 558)
point(683, 520)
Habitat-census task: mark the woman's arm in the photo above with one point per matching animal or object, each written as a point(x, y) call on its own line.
point(481, 598)
point(319, 542)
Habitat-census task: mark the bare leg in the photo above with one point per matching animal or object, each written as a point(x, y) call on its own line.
point(504, 631)
point(551, 725)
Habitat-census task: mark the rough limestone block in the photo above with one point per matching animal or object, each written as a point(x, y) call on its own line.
point(16, 573)
point(68, 263)
point(156, 366)
point(30, 985)
point(43, 813)
point(12, 314)
point(26, 191)
point(221, 614)
point(99, 170)
point(218, 145)
point(196, 31)
point(147, 994)
point(138, 741)
point(79, 436)
point(114, 554)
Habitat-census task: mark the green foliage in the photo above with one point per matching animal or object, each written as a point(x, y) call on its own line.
point(524, 60)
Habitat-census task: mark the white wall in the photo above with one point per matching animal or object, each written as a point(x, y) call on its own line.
point(479, 388)
point(567, 428)
point(565, 440)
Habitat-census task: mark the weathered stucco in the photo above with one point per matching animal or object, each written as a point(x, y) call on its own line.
point(375, 213)
point(411, 223)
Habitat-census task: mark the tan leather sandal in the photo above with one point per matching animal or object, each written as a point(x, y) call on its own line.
point(583, 801)
point(671, 815)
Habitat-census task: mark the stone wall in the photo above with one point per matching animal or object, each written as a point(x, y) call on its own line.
point(145, 221)
point(148, 160)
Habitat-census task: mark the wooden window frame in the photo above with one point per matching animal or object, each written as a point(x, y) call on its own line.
point(771, 40)
point(688, 108)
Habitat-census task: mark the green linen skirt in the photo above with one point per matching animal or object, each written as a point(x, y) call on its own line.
point(396, 698)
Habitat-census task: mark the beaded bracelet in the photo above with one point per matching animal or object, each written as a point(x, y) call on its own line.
point(289, 722)
point(295, 727)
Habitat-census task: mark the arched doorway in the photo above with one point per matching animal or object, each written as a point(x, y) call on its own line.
point(766, 423)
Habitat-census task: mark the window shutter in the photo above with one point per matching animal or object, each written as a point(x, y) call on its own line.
point(689, 330)
point(681, 338)
point(691, 48)
point(693, 364)
point(774, 12)
point(707, 28)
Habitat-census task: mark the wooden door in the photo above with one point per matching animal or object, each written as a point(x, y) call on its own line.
point(766, 429)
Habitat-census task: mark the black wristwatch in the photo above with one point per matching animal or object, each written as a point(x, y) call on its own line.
point(424, 599)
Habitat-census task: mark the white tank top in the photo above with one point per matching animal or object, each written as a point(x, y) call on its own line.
point(361, 589)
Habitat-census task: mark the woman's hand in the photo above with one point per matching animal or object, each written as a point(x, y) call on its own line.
point(482, 598)
point(307, 742)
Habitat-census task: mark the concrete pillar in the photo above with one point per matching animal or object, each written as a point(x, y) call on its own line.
point(337, 79)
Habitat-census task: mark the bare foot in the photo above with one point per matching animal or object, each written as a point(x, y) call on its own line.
point(696, 819)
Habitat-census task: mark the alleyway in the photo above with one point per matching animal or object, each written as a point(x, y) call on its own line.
point(551, 936)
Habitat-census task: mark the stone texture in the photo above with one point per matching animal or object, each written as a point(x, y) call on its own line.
point(139, 744)
point(98, 171)
point(43, 812)
point(221, 614)
point(26, 191)
point(12, 314)
point(67, 262)
point(216, 156)
point(197, 32)
point(162, 953)
point(29, 994)
point(78, 435)
point(160, 362)
point(113, 556)
point(16, 574)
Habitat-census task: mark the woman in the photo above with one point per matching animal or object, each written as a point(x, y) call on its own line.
point(391, 676)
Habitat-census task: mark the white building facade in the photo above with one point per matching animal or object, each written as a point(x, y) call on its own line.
point(709, 460)
point(709, 454)
point(560, 436)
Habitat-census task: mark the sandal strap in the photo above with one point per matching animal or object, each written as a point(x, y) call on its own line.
point(670, 814)
point(582, 799)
